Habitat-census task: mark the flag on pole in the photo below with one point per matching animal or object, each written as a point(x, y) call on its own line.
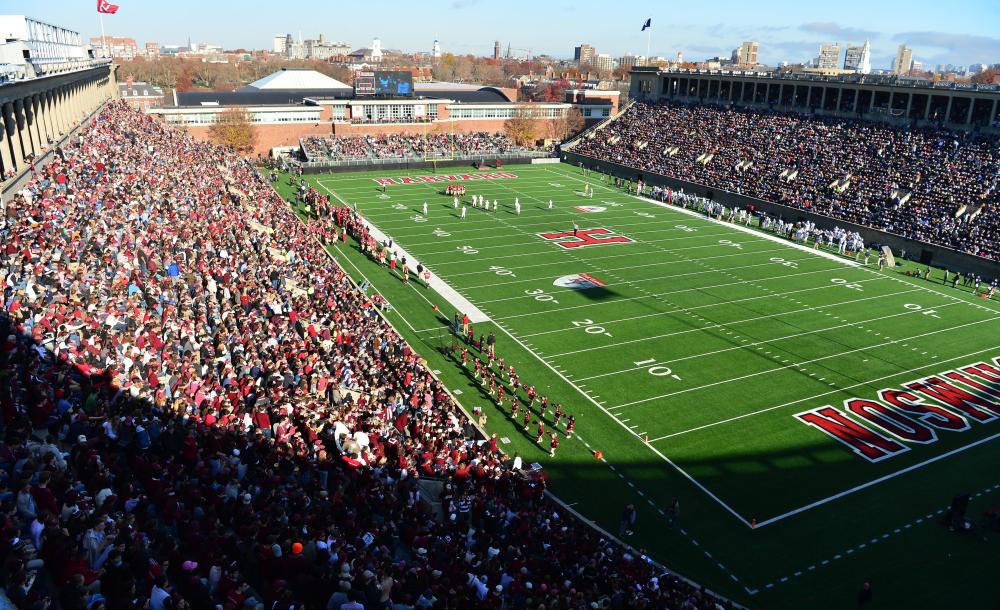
point(103, 6)
point(648, 24)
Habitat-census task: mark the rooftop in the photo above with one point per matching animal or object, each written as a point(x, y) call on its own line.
point(289, 79)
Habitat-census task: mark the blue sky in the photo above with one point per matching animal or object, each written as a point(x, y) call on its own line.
point(955, 31)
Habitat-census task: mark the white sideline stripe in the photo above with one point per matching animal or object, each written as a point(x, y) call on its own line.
point(786, 242)
point(934, 364)
point(624, 427)
point(737, 227)
point(456, 300)
point(768, 371)
point(757, 298)
point(731, 348)
point(660, 294)
point(881, 479)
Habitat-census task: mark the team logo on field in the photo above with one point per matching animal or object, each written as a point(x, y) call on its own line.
point(582, 238)
point(590, 209)
point(579, 281)
point(946, 402)
point(444, 178)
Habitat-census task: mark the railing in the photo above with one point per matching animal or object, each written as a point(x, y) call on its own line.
point(853, 79)
point(376, 162)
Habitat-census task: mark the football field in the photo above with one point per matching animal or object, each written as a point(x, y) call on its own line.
point(802, 407)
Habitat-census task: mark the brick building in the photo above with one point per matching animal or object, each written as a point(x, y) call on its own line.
point(292, 104)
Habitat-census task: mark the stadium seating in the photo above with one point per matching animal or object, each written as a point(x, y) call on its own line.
point(200, 411)
point(929, 184)
point(405, 146)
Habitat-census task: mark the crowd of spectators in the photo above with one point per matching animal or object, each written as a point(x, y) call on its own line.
point(926, 183)
point(385, 146)
point(199, 410)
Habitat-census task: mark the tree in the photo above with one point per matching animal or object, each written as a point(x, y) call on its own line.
point(574, 122)
point(522, 129)
point(232, 128)
point(988, 76)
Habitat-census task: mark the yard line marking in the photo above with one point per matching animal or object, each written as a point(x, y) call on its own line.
point(603, 409)
point(604, 258)
point(655, 295)
point(843, 389)
point(525, 280)
point(661, 294)
point(446, 292)
point(881, 479)
point(789, 244)
point(768, 371)
point(719, 351)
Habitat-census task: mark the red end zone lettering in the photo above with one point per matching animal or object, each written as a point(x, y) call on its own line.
point(445, 178)
point(583, 238)
point(862, 441)
point(894, 423)
point(956, 399)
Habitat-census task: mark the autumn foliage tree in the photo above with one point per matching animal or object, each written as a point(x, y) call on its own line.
point(233, 128)
point(521, 128)
point(988, 76)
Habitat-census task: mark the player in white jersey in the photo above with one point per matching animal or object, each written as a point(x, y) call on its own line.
point(494, 205)
point(517, 202)
point(455, 201)
point(550, 204)
point(463, 211)
point(517, 207)
point(425, 208)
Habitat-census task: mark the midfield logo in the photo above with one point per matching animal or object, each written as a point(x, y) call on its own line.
point(880, 427)
point(445, 178)
point(582, 238)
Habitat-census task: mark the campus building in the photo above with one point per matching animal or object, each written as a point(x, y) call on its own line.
point(292, 104)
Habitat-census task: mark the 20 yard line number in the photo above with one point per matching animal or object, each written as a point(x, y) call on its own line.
point(590, 327)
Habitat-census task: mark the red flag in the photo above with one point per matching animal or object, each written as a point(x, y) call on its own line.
point(103, 6)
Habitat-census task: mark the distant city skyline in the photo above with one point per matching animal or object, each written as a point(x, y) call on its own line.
point(968, 32)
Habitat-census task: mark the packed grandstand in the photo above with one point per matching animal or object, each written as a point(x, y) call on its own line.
point(406, 146)
point(202, 411)
point(926, 183)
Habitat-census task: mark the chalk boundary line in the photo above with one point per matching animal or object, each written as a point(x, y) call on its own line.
point(699, 485)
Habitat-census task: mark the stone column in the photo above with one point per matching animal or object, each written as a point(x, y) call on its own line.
point(31, 113)
point(6, 156)
point(968, 115)
point(10, 124)
point(58, 112)
point(23, 133)
point(947, 112)
point(45, 114)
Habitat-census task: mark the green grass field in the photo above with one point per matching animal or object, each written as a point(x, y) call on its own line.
point(687, 364)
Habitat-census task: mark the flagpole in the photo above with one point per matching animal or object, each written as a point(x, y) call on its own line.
point(104, 38)
point(649, 35)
